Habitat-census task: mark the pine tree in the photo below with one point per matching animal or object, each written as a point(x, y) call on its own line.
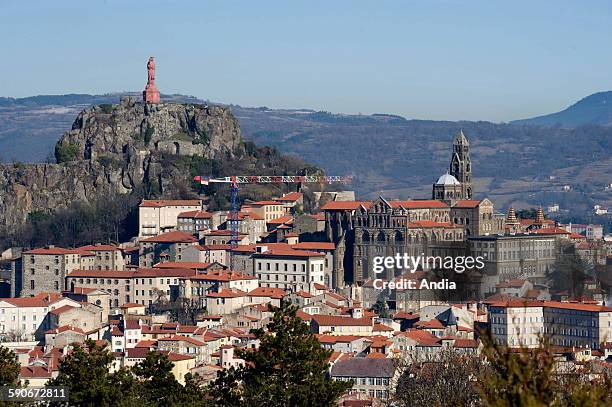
point(86, 372)
point(288, 369)
point(9, 367)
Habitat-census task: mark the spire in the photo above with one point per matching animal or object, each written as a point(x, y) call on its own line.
point(461, 139)
point(511, 217)
point(539, 219)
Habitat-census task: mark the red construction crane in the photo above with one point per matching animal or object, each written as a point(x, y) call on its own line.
point(237, 180)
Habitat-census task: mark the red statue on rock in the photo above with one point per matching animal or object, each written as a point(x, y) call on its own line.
point(150, 94)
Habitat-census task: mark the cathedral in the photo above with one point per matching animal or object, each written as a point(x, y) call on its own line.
point(434, 227)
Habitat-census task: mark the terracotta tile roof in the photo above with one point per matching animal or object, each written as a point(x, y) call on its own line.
point(467, 203)
point(212, 247)
point(146, 344)
point(465, 343)
point(290, 197)
point(99, 248)
point(132, 305)
point(376, 355)
point(431, 324)
point(278, 252)
point(318, 286)
point(281, 220)
point(62, 309)
point(197, 214)
point(303, 294)
point(181, 338)
point(422, 337)
point(334, 320)
point(344, 205)
point(35, 372)
point(65, 328)
point(222, 232)
point(382, 328)
point(132, 324)
point(227, 294)
point(245, 215)
point(138, 273)
point(222, 275)
point(578, 306)
point(276, 293)
point(39, 300)
point(176, 236)
point(181, 264)
point(176, 357)
point(313, 246)
point(265, 203)
point(169, 202)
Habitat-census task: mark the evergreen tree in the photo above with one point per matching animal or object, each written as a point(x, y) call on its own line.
point(159, 387)
point(86, 372)
point(288, 369)
point(9, 367)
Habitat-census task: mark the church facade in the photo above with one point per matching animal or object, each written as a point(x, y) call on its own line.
point(435, 227)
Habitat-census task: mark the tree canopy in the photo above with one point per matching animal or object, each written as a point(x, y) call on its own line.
point(288, 369)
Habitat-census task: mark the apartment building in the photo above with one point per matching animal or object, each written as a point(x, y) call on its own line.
point(288, 269)
point(292, 202)
point(214, 253)
point(517, 322)
point(165, 247)
point(268, 210)
point(342, 325)
point(370, 377)
point(196, 287)
point(105, 257)
point(159, 216)
point(26, 318)
point(514, 256)
point(45, 269)
point(143, 286)
point(194, 221)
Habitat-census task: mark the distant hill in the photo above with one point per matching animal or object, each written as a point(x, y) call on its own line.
point(386, 154)
point(593, 109)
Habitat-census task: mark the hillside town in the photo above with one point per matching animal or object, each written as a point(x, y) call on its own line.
point(191, 287)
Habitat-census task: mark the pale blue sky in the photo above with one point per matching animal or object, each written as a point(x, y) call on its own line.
point(487, 60)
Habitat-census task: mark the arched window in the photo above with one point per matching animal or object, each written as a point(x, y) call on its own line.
point(381, 237)
point(399, 237)
point(366, 236)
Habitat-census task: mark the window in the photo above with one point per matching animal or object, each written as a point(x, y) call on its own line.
point(31, 284)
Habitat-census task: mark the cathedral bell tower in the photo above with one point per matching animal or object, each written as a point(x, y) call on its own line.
point(461, 165)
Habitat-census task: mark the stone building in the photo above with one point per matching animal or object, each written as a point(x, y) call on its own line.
point(165, 247)
point(437, 227)
point(45, 269)
point(194, 221)
point(414, 227)
point(106, 257)
point(514, 256)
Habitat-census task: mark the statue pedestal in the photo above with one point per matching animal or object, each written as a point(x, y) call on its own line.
point(150, 94)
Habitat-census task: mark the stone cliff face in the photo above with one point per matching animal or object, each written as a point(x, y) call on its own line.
point(117, 149)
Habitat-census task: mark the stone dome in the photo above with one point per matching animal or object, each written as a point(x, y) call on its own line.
point(447, 179)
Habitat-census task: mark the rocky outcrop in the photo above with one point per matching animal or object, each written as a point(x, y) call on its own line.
point(118, 149)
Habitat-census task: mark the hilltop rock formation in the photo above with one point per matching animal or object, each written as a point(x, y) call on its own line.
point(118, 149)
